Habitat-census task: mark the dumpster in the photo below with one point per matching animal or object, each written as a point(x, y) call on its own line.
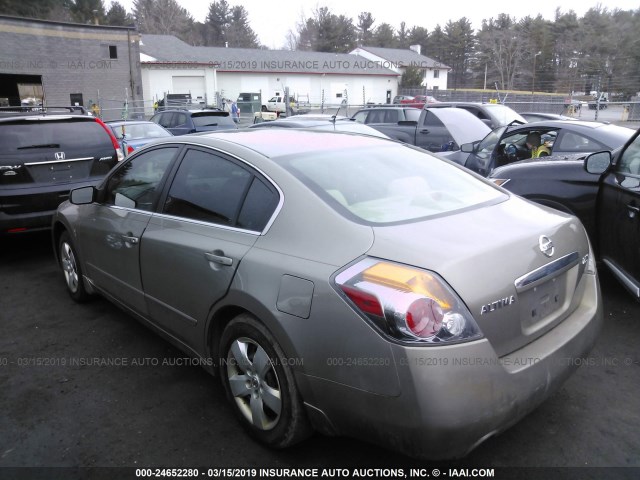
point(249, 103)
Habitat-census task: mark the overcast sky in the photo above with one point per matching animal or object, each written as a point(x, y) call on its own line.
point(272, 19)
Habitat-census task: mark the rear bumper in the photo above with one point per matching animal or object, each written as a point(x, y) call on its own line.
point(31, 209)
point(455, 397)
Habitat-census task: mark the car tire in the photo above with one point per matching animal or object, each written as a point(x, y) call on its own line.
point(71, 269)
point(260, 384)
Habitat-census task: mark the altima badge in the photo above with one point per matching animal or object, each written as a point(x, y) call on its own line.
point(546, 245)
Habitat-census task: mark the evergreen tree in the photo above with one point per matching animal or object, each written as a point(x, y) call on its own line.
point(364, 28)
point(239, 33)
point(118, 16)
point(384, 36)
point(217, 23)
point(88, 11)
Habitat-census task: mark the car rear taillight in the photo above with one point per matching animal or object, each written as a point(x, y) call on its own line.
point(407, 303)
point(130, 149)
point(113, 138)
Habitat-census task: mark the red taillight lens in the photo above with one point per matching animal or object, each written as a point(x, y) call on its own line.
point(424, 317)
point(364, 301)
point(407, 303)
point(113, 138)
point(129, 149)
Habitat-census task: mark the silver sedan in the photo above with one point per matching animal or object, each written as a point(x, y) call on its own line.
point(340, 283)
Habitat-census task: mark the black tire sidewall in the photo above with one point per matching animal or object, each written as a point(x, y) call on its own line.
point(80, 295)
point(292, 425)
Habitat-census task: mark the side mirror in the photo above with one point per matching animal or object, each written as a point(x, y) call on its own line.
point(82, 196)
point(467, 147)
point(597, 163)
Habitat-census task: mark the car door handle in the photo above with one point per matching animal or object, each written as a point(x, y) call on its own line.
point(130, 239)
point(633, 211)
point(426, 130)
point(220, 259)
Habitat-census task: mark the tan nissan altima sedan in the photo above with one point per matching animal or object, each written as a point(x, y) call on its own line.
point(346, 284)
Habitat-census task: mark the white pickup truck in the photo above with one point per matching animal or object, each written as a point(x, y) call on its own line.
point(277, 104)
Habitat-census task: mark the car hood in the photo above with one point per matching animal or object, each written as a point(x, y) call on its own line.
point(482, 252)
point(463, 126)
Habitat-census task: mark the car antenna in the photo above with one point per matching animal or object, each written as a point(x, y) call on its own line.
point(333, 117)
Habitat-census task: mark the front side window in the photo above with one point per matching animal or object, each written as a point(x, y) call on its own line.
point(136, 183)
point(361, 117)
point(163, 119)
point(629, 162)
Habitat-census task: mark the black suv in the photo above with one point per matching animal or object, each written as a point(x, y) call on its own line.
point(42, 157)
point(181, 122)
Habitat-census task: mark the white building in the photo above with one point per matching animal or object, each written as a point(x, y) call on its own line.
point(396, 59)
point(172, 66)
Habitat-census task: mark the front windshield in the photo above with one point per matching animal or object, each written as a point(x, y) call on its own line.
point(389, 183)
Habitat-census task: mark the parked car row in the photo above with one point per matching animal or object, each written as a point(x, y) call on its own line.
point(368, 259)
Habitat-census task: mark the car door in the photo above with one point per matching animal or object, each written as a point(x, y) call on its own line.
point(431, 134)
point(619, 217)
point(213, 212)
point(114, 226)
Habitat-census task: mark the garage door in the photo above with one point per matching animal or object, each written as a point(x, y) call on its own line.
point(193, 85)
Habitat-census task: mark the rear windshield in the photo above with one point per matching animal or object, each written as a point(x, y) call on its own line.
point(139, 130)
point(389, 183)
point(209, 119)
point(22, 136)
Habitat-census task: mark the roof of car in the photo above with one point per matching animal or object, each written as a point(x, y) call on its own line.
point(50, 118)
point(387, 107)
point(277, 142)
point(563, 124)
point(192, 110)
point(129, 122)
point(455, 104)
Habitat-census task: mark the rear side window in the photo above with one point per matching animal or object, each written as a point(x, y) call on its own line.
point(412, 114)
point(212, 189)
point(207, 188)
point(574, 142)
point(258, 207)
point(24, 136)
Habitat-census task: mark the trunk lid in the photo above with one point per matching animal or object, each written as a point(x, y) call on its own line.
point(53, 150)
point(492, 257)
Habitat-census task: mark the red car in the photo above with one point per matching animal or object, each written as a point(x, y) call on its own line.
point(419, 101)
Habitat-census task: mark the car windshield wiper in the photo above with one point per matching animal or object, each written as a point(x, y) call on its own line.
point(43, 145)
